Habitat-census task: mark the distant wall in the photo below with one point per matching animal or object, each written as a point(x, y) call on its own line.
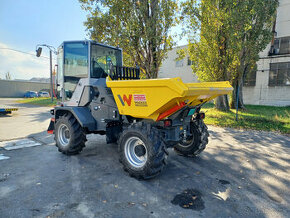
point(11, 88)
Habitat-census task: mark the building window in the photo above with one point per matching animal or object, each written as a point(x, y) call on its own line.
point(189, 62)
point(284, 45)
point(179, 63)
point(279, 74)
point(250, 79)
point(281, 46)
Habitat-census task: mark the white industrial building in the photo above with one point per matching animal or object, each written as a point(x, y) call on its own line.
point(177, 68)
point(270, 85)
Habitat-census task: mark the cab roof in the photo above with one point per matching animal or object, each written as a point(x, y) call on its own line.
point(90, 42)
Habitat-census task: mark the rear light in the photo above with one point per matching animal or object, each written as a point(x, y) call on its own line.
point(167, 123)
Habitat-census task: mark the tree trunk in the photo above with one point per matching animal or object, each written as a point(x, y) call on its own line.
point(222, 103)
point(233, 103)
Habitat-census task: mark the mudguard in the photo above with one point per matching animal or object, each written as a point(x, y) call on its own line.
point(82, 114)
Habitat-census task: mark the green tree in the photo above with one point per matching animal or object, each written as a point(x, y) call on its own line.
point(226, 38)
point(141, 28)
point(252, 28)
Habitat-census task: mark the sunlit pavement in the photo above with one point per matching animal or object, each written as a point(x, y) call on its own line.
point(27, 120)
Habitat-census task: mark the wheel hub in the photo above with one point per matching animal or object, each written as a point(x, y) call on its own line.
point(63, 135)
point(135, 152)
point(140, 150)
point(187, 141)
point(66, 134)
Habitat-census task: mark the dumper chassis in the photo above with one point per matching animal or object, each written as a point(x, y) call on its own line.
point(144, 117)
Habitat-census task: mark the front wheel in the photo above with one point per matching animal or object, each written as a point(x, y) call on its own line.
point(69, 136)
point(195, 144)
point(142, 153)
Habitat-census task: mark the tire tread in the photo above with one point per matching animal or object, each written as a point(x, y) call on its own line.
point(156, 162)
point(78, 137)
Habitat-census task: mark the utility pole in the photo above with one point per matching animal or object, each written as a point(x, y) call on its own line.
point(51, 83)
point(237, 106)
point(38, 53)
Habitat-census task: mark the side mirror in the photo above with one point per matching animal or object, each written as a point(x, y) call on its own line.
point(38, 52)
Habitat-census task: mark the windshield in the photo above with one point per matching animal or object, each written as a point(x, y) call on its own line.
point(75, 65)
point(101, 60)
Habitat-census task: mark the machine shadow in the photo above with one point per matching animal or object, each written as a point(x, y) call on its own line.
point(222, 173)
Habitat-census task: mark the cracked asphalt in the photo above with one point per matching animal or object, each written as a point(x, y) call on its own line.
point(240, 174)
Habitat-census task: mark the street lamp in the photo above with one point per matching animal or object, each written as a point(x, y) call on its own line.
point(38, 53)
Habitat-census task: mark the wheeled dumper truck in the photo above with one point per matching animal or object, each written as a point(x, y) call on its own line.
point(144, 116)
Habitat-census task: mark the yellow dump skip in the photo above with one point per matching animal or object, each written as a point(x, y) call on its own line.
point(149, 98)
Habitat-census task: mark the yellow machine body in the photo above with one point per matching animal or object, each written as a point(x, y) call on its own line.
point(150, 98)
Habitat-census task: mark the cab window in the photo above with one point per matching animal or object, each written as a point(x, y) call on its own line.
point(101, 60)
point(75, 65)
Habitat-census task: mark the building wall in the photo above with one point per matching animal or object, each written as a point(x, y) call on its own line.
point(262, 93)
point(283, 19)
point(12, 88)
point(170, 70)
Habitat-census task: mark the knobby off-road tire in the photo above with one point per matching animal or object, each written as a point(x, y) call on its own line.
point(142, 152)
point(197, 143)
point(69, 135)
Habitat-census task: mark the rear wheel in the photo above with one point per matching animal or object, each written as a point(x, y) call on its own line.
point(142, 152)
point(69, 136)
point(196, 143)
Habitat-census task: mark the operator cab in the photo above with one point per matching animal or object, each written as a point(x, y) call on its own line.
point(83, 59)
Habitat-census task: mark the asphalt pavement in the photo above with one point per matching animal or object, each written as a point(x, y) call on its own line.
point(240, 174)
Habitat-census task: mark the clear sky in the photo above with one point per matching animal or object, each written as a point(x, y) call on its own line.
point(26, 23)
